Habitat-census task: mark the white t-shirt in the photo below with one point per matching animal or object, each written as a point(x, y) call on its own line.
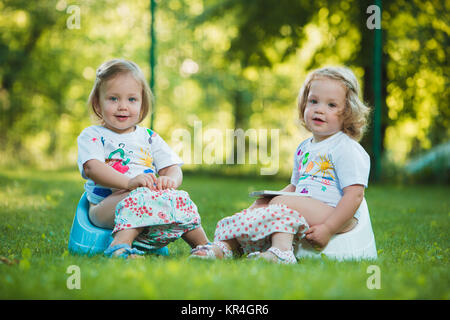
point(140, 151)
point(322, 170)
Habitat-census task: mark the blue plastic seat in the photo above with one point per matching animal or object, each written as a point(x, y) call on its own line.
point(85, 238)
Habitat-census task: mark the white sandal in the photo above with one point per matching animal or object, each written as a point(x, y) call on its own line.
point(283, 257)
point(210, 254)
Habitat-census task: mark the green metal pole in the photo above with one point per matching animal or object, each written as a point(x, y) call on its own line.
point(377, 68)
point(152, 59)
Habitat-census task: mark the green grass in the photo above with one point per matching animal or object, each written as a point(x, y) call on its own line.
point(410, 223)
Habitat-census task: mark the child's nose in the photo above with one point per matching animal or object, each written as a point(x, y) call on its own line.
point(122, 104)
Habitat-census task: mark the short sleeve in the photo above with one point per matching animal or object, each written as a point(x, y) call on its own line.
point(352, 165)
point(163, 155)
point(90, 147)
point(295, 172)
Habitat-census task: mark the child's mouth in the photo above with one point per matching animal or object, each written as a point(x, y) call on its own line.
point(122, 118)
point(317, 120)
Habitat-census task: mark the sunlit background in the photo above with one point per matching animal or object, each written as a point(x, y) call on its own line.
point(229, 64)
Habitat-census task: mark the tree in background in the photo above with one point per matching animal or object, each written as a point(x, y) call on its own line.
point(415, 45)
point(48, 67)
point(230, 64)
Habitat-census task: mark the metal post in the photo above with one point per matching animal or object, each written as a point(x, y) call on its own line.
point(377, 68)
point(152, 59)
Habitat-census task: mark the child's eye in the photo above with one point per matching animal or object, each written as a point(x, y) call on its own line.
point(132, 99)
point(113, 99)
point(332, 105)
point(314, 101)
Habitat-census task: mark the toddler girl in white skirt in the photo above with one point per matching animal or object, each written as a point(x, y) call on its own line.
point(331, 171)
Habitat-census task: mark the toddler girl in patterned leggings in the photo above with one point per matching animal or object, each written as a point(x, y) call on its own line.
point(121, 161)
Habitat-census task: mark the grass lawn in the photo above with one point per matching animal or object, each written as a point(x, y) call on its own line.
point(411, 226)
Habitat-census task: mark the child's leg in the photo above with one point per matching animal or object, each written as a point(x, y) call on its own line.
point(282, 241)
point(102, 215)
point(232, 245)
point(281, 249)
point(195, 237)
point(126, 236)
point(314, 211)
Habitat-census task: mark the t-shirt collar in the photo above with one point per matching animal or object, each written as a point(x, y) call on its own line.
point(128, 134)
point(328, 140)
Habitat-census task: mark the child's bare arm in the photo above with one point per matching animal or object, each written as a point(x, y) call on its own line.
point(169, 177)
point(320, 234)
point(106, 176)
point(346, 208)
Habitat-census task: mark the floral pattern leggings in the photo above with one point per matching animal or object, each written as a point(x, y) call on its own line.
point(165, 215)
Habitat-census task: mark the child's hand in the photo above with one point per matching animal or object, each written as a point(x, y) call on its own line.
point(165, 182)
point(143, 180)
point(318, 235)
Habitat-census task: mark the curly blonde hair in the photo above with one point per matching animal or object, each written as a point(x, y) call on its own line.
point(355, 114)
point(109, 70)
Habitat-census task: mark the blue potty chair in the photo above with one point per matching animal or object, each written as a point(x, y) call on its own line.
point(85, 238)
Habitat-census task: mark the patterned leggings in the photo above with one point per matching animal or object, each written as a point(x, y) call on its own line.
point(165, 215)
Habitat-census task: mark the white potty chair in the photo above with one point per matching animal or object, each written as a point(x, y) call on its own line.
point(357, 244)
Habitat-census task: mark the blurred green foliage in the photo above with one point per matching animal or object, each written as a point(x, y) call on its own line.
point(230, 64)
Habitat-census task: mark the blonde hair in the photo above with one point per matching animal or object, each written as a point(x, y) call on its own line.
point(355, 114)
point(109, 70)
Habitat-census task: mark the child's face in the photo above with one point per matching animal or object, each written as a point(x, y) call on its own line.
point(120, 103)
point(325, 104)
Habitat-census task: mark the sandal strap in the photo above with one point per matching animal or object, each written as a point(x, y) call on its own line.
point(284, 257)
point(128, 250)
point(110, 250)
point(134, 251)
point(227, 253)
point(210, 254)
point(255, 254)
point(207, 248)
